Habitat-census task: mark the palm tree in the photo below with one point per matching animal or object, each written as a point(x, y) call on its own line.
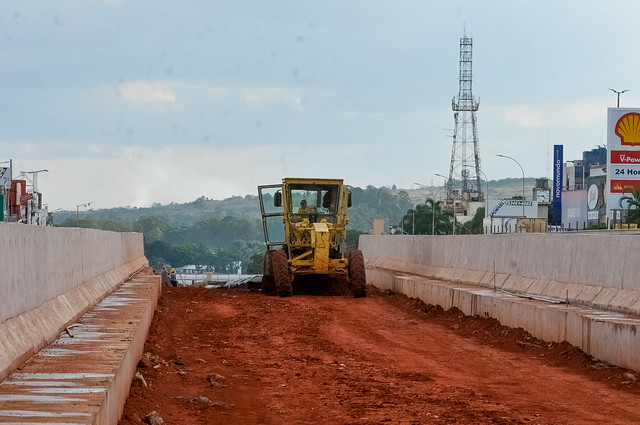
point(425, 217)
point(633, 204)
point(441, 220)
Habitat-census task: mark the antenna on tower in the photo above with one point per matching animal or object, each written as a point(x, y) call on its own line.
point(464, 182)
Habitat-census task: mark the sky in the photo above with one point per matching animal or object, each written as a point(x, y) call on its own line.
point(134, 102)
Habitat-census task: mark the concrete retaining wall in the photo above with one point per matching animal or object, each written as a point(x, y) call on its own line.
point(599, 270)
point(579, 288)
point(51, 276)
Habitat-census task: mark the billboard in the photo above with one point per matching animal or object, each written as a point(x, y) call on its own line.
point(575, 214)
point(556, 196)
point(5, 176)
point(623, 155)
point(512, 208)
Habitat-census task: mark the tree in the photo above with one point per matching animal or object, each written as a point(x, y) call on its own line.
point(255, 263)
point(158, 253)
point(153, 228)
point(427, 219)
point(476, 224)
point(353, 237)
point(633, 204)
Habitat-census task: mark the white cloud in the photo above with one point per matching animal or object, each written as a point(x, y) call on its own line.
point(569, 115)
point(274, 94)
point(137, 176)
point(146, 92)
point(297, 102)
point(264, 94)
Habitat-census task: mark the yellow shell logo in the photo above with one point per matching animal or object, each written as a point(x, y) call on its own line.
point(628, 129)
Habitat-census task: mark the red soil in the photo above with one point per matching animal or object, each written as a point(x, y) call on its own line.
point(381, 359)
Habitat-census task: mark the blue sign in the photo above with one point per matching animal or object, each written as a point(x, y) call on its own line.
point(556, 196)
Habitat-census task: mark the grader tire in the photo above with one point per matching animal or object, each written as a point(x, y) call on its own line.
point(357, 275)
point(281, 273)
point(268, 281)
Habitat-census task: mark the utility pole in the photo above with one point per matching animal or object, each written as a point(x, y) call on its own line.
point(521, 169)
point(454, 210)
point(78, 210)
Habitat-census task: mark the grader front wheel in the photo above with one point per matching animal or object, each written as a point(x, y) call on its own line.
point(357, 276)
point(281, 273)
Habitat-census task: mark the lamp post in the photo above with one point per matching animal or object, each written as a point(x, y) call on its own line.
point(446, 179)
point(486, 198)
point(78, 210)
point(619, 93)
point(486, 180)
point(508, 157)
point(433, 207)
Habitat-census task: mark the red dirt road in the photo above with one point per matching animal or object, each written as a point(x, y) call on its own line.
point(380, 359)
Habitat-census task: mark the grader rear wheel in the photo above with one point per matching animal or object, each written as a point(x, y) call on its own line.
point(281, 273)
point(357, 275)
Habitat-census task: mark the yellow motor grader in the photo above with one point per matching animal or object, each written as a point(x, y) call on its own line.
point(305, 227)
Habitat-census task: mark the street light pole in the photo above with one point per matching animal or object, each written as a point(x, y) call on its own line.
point(508, 157)
point(78, 210)
point(413, 226)
point(433, 209)
point(454, 205)
point(619, 93)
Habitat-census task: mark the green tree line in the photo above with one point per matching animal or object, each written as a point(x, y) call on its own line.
point(430, 218)
point(224, 244)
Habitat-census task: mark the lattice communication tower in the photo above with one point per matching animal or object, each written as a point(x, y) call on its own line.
point(464, 182)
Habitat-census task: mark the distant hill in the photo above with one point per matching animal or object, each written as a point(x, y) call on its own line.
point(368, 203)
point(179, 214)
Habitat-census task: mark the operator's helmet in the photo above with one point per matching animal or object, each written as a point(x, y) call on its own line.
point(173, 270)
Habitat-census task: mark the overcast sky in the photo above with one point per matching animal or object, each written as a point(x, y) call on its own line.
point(135, 102)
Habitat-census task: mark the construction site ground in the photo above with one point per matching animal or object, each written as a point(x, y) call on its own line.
point(239, 357)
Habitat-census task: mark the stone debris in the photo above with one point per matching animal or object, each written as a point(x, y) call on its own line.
point(154, 418)
point(149, 360)
point(138, 380)
point(629, 377)
point(200, 400)
point(217, 380)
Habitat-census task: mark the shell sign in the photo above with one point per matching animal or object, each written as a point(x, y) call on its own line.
point(628, 129)
point(623, 156)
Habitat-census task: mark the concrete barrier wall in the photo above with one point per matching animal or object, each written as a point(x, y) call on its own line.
point(51, 276)
point(605, 260)
point(41, 263)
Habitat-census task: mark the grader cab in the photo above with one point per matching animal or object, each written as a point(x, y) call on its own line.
point(305, 227)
